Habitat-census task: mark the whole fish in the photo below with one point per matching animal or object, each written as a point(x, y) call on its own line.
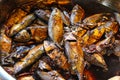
point(21, 24)
point(15, 17)
point(77, 14)
point(55, 26)
point(36, 32)
point(5, 43)
point(96, 59)
point(109, 27)
point(75, 58)
point(43, 14)
point(56, 55)
point(29, 59)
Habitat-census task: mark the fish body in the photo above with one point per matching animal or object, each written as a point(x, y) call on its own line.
point(55, 26)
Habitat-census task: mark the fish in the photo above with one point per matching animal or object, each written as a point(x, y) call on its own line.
point(75, 57)
point(96, 59)
point(15, 17)
point(92, 36)
point(102, 44)
point(38, 33)
point(98, 19)
point(22, 36)
point(77, 14)
point(56, 55)
point(55, 26)
point(34, 54)
point(43, 14)
point(44, 66)
point(5, 43)
point(50, 75)
point(65, 18)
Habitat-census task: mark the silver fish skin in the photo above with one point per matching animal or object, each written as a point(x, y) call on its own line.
point(77, 14)
point(22, 24)
point(55, 26)
point(51, 75)
point(29, 59)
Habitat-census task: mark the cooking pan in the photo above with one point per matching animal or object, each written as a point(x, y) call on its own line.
point(90, 7)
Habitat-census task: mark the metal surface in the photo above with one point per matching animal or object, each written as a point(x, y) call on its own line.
point(4, 75)
point(113, 4)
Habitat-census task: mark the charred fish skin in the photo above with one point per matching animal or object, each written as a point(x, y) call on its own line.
point(41, 65)
point(96, 59)
point(14, 56)
point(79, 32)
point(97, 19)
point(35, 32)
point(77, 14)
point(101, 60)
point(55, 26)
point(92, 36)
point(75, 57)
point(5, 43)
point(92, 20)
point(30, 58)
point(39, 22)
point(22, 36)
point(50, 2)
point(111, 27)
point(61, 2)
point(102, 44)
point(43, 14)
point(56, 55)
point(44, 66)
point(22, 24)
point(15, 17)
point(38, 33)
point(5, 46)
point(51, 75)
point(20, 52)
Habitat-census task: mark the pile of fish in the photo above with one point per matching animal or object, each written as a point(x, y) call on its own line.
point(56, 44)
